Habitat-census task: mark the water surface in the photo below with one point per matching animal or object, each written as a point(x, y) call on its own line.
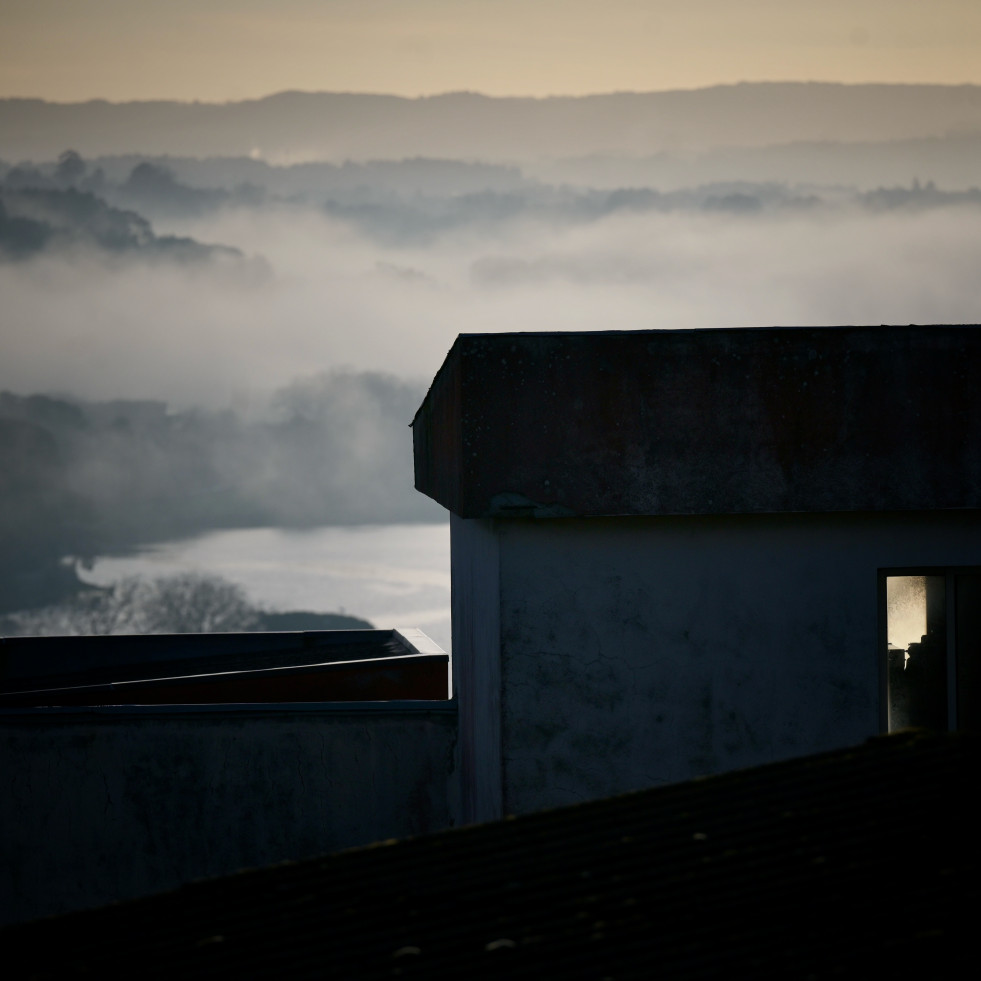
point(392, 575)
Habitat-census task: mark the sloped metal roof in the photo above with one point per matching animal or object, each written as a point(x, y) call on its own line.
point(154, 669)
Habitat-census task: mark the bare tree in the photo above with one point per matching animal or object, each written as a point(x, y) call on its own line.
point(189, 602)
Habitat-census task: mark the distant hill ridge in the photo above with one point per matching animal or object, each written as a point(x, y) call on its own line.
point(293, 126)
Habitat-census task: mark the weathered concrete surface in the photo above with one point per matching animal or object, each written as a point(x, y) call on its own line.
point(642, 651)
point(477, 671)
point(109, 805)
point(704, 422)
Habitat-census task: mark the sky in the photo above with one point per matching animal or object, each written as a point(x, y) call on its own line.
point(220, 50)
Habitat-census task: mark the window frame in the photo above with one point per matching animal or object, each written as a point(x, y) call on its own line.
point(950, 574)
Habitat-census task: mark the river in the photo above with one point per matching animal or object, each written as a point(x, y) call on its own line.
point(392, 575)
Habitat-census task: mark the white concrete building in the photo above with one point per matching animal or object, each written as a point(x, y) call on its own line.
point(681, 552)
point(674, 553)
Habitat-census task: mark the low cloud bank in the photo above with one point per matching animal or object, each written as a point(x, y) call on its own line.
point(338, 296)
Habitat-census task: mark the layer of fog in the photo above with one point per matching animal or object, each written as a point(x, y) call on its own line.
point(340, 295)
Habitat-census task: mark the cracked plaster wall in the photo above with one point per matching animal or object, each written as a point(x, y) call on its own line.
point(639, 651)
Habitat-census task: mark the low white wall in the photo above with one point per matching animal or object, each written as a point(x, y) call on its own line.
point(114, 803)
point(642, 651)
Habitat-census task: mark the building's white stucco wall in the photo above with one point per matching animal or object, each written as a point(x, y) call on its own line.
point(477, 671)
point(115, 803)
point(638, 651)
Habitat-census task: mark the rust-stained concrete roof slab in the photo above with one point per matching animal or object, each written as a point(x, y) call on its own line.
point(773, 419)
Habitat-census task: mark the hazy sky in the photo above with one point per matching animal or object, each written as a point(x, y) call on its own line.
point(70, 50)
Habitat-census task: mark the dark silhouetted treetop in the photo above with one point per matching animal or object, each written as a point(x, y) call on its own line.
point(70, 169)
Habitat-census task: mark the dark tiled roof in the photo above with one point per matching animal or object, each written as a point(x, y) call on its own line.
point(858, 863)
point(772, 419)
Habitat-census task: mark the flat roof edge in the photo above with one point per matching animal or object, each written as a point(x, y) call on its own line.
point(443, 707)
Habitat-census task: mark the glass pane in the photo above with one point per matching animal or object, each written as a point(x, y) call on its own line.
point(916, 631)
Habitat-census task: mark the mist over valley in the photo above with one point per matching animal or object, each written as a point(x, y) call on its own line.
point(203, 332)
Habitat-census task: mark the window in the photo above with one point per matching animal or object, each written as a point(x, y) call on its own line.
point(930, 621)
